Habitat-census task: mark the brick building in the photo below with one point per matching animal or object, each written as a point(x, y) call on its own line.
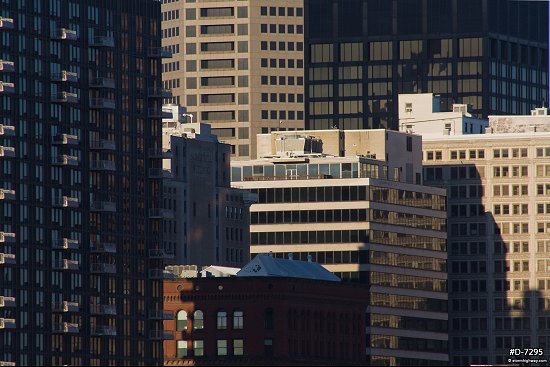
point(283, 312)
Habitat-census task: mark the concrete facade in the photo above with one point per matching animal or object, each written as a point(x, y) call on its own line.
point(237, 65)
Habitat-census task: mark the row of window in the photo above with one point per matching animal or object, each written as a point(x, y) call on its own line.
point(470, 343)
point(467, 210)
point(281, 46)
point(281, 28)
point(408, 220)
point(282, 97)
point(407, 261)
point(282, 115)
point(195, 348)
point(505, 285)
point(469, 324)
point(468, 229)
point(516, 190)
point(405, 343)
point(281, 80)
point(308, 237)
point(197, 321)
point(471, 285)
point(408, 302)
point(469, 305)
point(282, 63)
point(516, 171)
point(289, 11)
point(468, 248)
point(407, 281)
point(408, 323)
point(408, 240)
point(309, 216)
point(517, 209)
point(469, 267)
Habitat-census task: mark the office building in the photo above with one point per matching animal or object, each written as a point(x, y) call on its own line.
point(237, 65)
point(79, 113)
point(498, 189)
point(205, 221)
point(274, 312)
point(365, 216)
point(361, 54)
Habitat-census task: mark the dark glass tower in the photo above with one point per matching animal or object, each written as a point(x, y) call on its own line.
point(360, 54)
point(78, 117)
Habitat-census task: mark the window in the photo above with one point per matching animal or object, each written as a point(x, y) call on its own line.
point(181, 322)
point(238, 347)
point(198, 347)
point(181, 349)
point(238, 319)
point(222, 347)
point(268, 347)
point(268, 319)
point(198, 320)
point(222, 320)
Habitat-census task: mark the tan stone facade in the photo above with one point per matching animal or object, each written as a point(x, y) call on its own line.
point(237, 65)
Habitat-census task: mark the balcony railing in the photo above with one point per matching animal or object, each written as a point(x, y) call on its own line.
point(6, 87)
point(66, 243)
point(65, 202)
point(7, 152)
point(65, 97)
point(103, 206)
point(7, 66)
point(8, 259)
point(102, 330)
point(103, 309)
point(103, 268)
point(159, 53)
point(64, 139)
point(103, 144)
point(66, 264)
point(65, 76)
point(103, 41)
point(102, 103)
point(159, 253)
point(66, 34)
point(102, 165)
point(7, 130)
point(161, 335)
point(65, 306)
point(6, 194)
point(103, 247)
point(103, 83)
point(65, 160)
point(65, 327)
point(7, 237)
point(7, 323)
point(161, 315)
point(158, 113)
point(7, 301)
point(6, 23)
point(159, 213)
point(159, 93)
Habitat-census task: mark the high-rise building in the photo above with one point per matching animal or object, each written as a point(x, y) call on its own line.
point(499, 247)
point(237, 65)
point(205, 220)
point(360, 54)
point(79, 113)
point(354, 202)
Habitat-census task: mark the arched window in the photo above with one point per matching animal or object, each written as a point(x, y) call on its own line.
point(181, 320)
point(238, 319)
point(221, 320)
point(198, 320)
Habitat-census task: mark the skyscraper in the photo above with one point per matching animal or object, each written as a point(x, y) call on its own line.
point(237, 65)
point(79, 113)
point(360, 54)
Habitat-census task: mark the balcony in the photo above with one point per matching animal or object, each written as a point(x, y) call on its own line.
point(6, 23)
point(250, 198)
point(103, 268)
point(65, 76)
point(6, 194)
point(102, 330)
point(64, 139)
point(66, 34)
point(160, 153)
point(65, 306)
point(159, 253)
point(7, 323)
point(158, 213)
point(6, 87)
point(102, 144)
point(159, 53)
point(66, 265)
point(161, 315)
point(161, 335)
point(102, 165)
point(103, 83)
point(8, 259)
point(65, 202)
point(103, 309)
point(7, 152)
point(161, 274)
point(102, 104)
point(7, 130)
point(6, 301)
point(65, 160)
point(102, 41)
point(66, 244)
point(156, 113)
point(103, 206)
point(7, 237)
point(7, 363)
point(65, 97)
point(65, 327)
point(103, 247)
point(159, 93)
point(7, 66)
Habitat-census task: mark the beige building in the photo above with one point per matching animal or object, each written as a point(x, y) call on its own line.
point(363, 218)
point(498, 184)
point(237, 66)
point(206, 222)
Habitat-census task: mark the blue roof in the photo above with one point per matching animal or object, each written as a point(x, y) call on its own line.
point(268, 266)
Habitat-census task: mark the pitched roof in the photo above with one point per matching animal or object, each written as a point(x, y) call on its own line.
point(268, 266)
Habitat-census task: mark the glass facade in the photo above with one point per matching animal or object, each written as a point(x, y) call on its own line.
point(361, 54)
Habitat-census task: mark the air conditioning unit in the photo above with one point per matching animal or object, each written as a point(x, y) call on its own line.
point(408, 107)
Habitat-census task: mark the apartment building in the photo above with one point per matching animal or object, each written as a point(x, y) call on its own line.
point(205, 221)
point(79, 112)
point(497, 185)
point(365, 218)
point(237, 66)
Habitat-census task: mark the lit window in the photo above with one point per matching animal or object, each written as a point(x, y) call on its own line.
point(222, 347)
point(238, 320)
point(238, 347)
point(181, 322)
point(198, 347)
point(222, 320)
point(198, 320)
point(181, 349)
